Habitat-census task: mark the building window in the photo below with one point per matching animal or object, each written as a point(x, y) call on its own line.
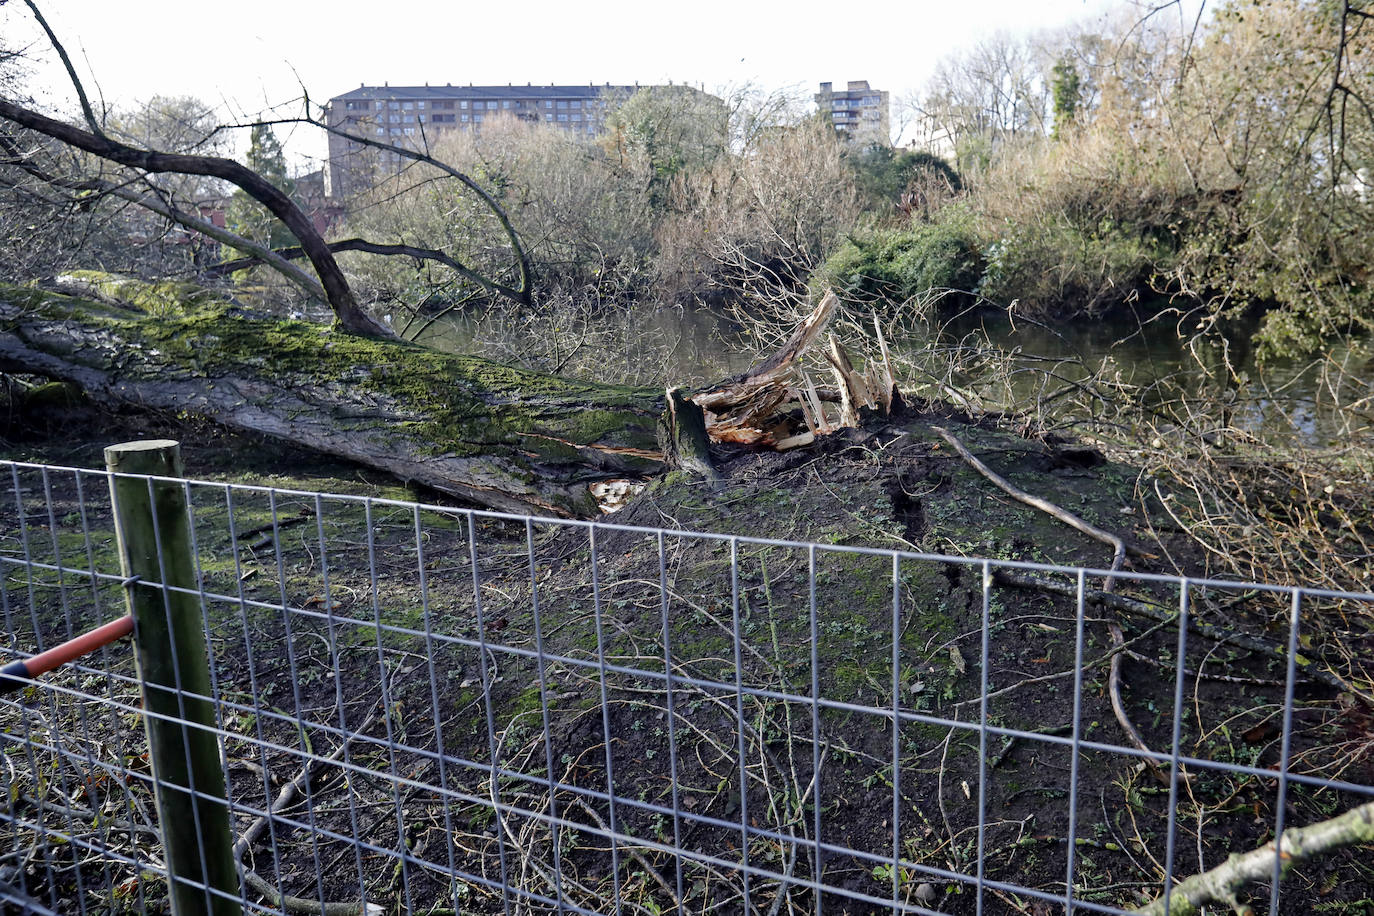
point(575, 103)
point(358, 106)
point(381, 131)
point(407, 119)
point(562, 104)
point(465, 117)
point(577, 117)
point(548, 117)
point(394, 106)
point(562, 117)
point(407, 105)
point(420, 118)
point(505, 103)
point(409, 131)
point(393, 119)
point(420, 106)
point(548, 103)
point(395, 131)
point(477, 117)
point(491, 105)
point(463, 104)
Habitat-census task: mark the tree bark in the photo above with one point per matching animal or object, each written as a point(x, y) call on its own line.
point(1221, 884)
point(497, 436)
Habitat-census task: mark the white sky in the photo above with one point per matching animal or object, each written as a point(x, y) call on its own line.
point(251, 55)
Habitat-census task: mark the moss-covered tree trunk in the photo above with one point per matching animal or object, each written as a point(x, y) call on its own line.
point(501, 437)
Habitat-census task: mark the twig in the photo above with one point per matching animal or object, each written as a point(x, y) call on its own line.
point(278, 524)
point(1309, 666)
point(631, 851)
point(1011, 742)
point(1118, 557)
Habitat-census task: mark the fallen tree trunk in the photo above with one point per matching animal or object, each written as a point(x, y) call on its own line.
point(501, 437)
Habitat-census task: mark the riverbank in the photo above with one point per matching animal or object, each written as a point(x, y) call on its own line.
point(895, 483)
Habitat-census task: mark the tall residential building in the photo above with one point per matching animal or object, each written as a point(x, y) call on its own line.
point(411, 115)
point(858, 112)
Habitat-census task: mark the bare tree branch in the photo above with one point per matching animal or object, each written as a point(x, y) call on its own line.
point(356, 244)
point(89, 113)
point(523, 291)
point(337, 291)
point(168, 210)
point(1221, 883)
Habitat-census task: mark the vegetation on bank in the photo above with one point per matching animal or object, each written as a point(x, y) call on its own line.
point(1210, 171)
point(1214, 170)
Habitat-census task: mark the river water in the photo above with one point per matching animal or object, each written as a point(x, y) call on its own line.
point(1277, 399)
point(1305, 399)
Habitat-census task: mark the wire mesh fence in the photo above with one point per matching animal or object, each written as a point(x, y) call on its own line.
point(431, 710)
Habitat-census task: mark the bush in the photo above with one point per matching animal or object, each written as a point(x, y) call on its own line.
point(1053, 266)
point(901, 181)
point(904, 264)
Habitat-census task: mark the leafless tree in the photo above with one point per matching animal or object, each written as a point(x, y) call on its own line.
point(123, 161)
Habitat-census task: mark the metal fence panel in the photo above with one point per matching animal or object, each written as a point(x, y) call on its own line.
point(429, 710)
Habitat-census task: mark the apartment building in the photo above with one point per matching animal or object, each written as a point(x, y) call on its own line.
point(859, 111)
point(412, 115)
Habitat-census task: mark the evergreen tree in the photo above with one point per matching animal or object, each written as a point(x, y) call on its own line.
point(247, 217)
point(1066, 88)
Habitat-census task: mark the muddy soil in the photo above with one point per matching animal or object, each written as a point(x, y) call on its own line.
point(733, 689)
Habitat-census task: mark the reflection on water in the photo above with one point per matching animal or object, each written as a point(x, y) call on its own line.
point(642, 345)
point(1276, 399)
point(694, 347)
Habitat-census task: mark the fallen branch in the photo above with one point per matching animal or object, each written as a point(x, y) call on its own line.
point(1118, 557)
point(293, 788)
point(1297, 845)
point(301, 905)
point(1310, 667)
point(1117, 544)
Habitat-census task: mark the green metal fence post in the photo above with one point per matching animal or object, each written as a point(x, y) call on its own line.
point(154, 535)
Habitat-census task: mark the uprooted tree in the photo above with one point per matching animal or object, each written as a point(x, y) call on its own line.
point(497, 436)
point(494, 435)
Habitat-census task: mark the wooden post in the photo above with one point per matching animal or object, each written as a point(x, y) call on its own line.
point(169, 637)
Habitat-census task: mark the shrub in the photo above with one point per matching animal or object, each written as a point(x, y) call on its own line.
point(904, 264)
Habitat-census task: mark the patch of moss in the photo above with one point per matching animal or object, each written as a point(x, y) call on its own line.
point(463, 407)
point(159, 298)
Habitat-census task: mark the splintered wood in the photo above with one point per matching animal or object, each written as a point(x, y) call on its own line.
point(756, 408)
